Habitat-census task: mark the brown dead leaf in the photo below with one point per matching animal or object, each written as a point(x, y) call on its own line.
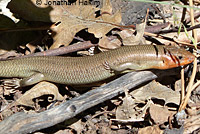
point(72, 18)
point(125, 111)
point(177, 85)
point(150, 130)
point(191, 124)
point(159, 114)
point(11, 36)
point(3, 51)
point(81, 17)
point(128, 37)
point(42, 88)
point(107, 43)
point(29, 10)
point(158, 91)
point(129, 110)
point(77, 126)
point(30, 47)
point(136, 103)
point(193, 107)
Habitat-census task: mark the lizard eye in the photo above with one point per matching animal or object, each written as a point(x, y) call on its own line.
point(180, 57)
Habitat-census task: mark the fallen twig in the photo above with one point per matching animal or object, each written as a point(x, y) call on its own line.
point(20, 123)
point(61, 50)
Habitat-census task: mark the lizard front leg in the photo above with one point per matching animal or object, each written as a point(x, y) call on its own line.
point(123, 67)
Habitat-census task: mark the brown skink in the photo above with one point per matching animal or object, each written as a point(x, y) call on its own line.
point(89, 69)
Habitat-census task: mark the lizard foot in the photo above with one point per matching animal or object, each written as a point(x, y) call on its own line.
point(108, 67)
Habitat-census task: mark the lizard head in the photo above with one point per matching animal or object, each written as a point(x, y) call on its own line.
point(174, 57)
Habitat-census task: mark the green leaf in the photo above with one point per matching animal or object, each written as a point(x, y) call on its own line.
point(190, 37)
point(179, 29)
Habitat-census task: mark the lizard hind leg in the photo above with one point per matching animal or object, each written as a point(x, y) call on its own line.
point(10, 85)
point(33, 79)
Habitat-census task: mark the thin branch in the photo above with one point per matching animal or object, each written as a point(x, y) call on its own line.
point(182, 85)
point(160, 31)
point(185, 101)
point(60, 51)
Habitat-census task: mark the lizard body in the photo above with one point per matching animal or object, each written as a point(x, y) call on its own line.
point(88, 69)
